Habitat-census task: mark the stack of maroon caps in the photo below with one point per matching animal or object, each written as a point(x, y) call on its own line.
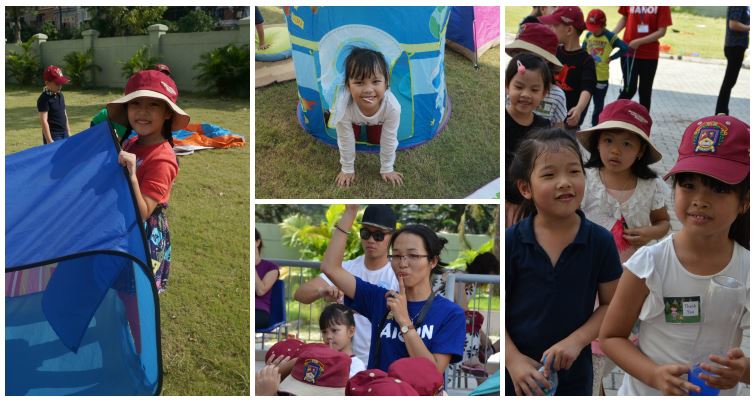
point(286, 348)
point(419, 372)
point(319, 371)
point(374, 382)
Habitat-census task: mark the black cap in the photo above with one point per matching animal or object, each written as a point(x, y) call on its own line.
point(379, 215)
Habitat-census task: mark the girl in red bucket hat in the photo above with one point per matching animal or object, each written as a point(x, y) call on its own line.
point(148, 107)
point(624, 194)
point(712, 191)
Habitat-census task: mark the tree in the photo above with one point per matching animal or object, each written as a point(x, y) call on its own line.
point(49, 29)
point(124, 21)
point(78, 64)
point(226, 70)
point(140, 61)
point(14, 13)
point(196, 21)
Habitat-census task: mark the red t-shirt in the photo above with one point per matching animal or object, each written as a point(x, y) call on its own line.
point(156, 168)
point(643, 21)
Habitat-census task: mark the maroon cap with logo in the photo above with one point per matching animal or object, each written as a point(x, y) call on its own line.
point(419, 372)
point(717, 147)
point(53, 73)
point(537, 39)
point(319, 370)
point(595, 20)
point(567, 15)
point(286, 348)
point(626, 115)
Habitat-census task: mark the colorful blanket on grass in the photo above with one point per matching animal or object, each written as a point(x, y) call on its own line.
point(204, 136)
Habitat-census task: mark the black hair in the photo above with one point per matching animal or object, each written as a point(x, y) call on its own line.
point(434, 244)
point(531, 62)
point(258, 237)
point(640, 167)
point(362, 63)
point(740, 229)
point(536, 143)
point(166, 132)
point(484, 264)
point(336, 314)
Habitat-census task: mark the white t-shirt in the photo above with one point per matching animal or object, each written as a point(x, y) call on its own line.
point(603, 209)
point(383, 277)
point(357, 366)
point(346, 113)
point(672, 342)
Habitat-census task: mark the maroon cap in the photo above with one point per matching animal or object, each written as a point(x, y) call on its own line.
point(717, 147)
point(53, 73)
point(627, 115)
point(163, 68)
point(567, 15)
point(381, 386)
point(537, 39)
point(288, 347)
point(357, 385)
point(421, 373)
point(149, 83)
point(319, 370)
point(595, 20)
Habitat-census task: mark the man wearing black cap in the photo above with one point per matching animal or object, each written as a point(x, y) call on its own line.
point(378, 222)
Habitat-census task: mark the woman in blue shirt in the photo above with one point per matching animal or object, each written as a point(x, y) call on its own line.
point(413, 322)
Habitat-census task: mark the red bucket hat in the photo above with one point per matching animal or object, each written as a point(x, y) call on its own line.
point(627, 115)
point(717, 147)
point(53, 73)
point(149, 83)
point(537, 39)
point(373, 382)
point(288, 347)
point(421, 373)
point(319, 371)
point(596, 20)
point(568, 15)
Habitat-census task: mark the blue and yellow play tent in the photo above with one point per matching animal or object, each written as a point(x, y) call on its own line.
point(412, 40)
point(81, 309)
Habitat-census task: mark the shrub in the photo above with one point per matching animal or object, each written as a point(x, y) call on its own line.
point(23, 66)
point(140, 61)
point(78, 64)
point(196, 21)
point(226, 69)
point(49, 29)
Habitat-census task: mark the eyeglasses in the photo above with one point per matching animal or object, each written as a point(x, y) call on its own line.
point(378, 236)
point(412, 258)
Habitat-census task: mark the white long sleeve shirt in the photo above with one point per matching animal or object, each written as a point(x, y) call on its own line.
point(347, 113)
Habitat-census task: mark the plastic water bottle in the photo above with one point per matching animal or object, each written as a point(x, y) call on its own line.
point(694, 379)
point(721, 311)
point(553, 380)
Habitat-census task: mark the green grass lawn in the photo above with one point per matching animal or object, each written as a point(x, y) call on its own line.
point(205, 312)
point(290, 163)
point(689, 34)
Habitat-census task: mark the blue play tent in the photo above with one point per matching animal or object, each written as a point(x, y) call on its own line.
point(81, 309)
point(412, 40)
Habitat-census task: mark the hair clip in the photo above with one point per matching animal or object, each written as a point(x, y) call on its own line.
point(520, 67)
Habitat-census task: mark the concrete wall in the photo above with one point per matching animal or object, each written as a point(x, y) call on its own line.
point(180, 51)
point(274, 248)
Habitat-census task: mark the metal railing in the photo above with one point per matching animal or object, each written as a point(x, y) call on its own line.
point(459, 380)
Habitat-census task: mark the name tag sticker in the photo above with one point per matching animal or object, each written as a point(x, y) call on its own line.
point(682, 310)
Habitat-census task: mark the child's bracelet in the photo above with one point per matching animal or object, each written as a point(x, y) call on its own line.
point(339, 228)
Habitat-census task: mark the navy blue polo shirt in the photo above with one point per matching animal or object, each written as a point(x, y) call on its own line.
point(545, 304)
point(736, 38)
point(55, 106)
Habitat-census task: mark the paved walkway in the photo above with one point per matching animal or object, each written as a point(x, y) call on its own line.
point(683, 92)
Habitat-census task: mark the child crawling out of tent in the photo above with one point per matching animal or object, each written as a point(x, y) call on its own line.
point(367, 103)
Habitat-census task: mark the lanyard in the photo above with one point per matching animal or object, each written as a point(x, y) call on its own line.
point(376, 347)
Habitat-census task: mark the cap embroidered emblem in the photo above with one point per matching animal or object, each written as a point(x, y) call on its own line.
point(637, 116)
point(168, 88)
point(708, 136)
point(312, 370)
